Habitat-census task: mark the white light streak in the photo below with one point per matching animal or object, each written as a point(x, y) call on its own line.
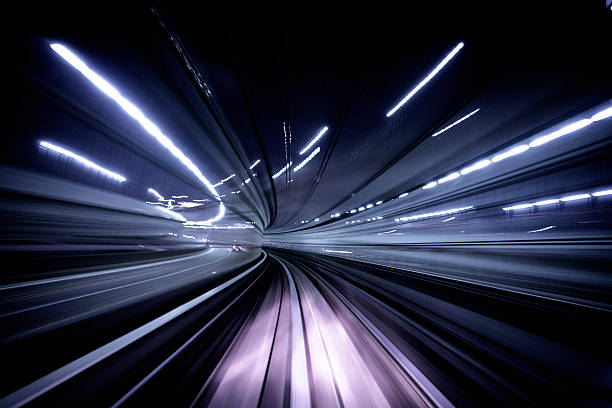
point(449, 177)
point(254, 164)
point(575, 197)
point(476, 166)
point(84, 161)
point(429, 185)
point(379, 202)
point(313, 141)
point(181, 196)
point(338, 252)
point(336, 214)
point(542, 229)
point(188, 236)
point(353, 211)
point(361, 208)
point(435, 214)
point(455, 123)
point(227, 178)
point(518, 207)
point(369, 205)
point(137, 115)
point(281, 171)
point(307, 159)
point(187, 204)
point(427, 79)
point(604, 114)
point(449, 219)
point(572, 197)
point(402, 195)
point(509, 153)
point(602, 193)
point(561, 132)
point(316, 219)
point(546, 202)
point(156, 194)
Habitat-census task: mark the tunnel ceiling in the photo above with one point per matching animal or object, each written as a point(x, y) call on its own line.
point(232, 90)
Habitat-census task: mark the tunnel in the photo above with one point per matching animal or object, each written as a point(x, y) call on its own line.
point(307, 204)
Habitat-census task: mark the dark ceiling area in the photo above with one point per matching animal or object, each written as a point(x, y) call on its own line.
point(316, 204)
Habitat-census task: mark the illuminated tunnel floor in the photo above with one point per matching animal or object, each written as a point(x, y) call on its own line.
point(291, 329)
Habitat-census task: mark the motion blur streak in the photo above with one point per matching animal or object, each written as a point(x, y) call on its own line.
point(202, 206)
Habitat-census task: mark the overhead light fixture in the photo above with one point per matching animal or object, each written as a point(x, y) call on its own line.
point(450, 177)
point(602, 193)
point(227, 178)
point(83, 160)
point(509, 153)
point(307, 159)
point(429, 185)
point(604, 114)
point(156, 194)
point(476, 166)
point(133, 111)
point(455, 123)
point(254, 164)
point(575, 197)
point(427, 79)
point(313, 141)
point(435, 214)
point(402, 195)
point(281, 171)
point(518, 207)
point(546, 202)
point(561, 132)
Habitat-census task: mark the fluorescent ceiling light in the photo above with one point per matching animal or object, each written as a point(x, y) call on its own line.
point(575, 197)
point(156, 194)
point(518, 207)
point(602, 193)
point(455, 123)
point(451, 176)
point(546, 202)
point(430, 185)
point(427, 79)
point(84, 161)
point(476, 166)
point(561, 132)
point(402, 195)
point(137, 115)
point(313, 141)
point(604, 114)
point(509, 153)
point(306, 160)
point(254, 164)
point(227, 178)
point(281, 171)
